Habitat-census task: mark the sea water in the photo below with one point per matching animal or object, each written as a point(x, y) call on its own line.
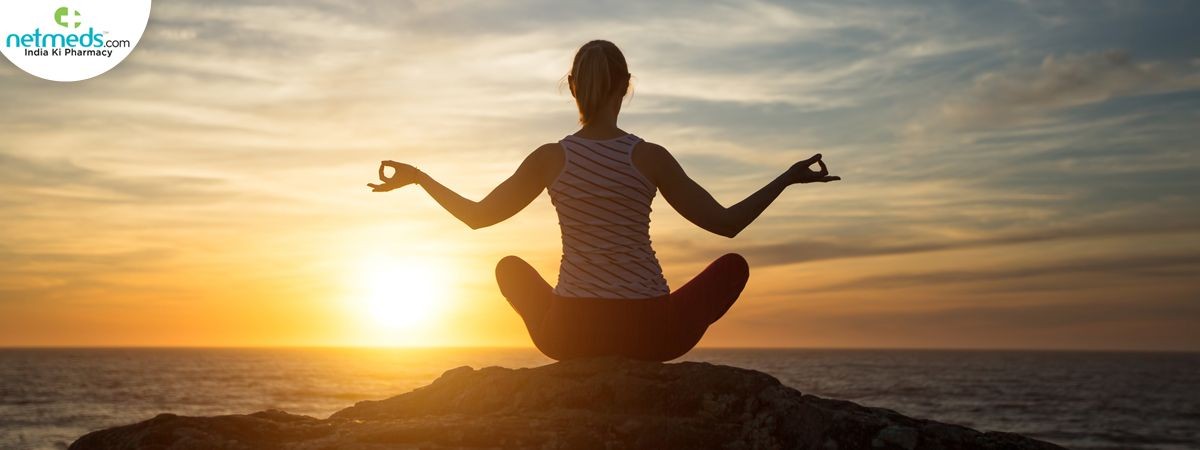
point(1096, 400)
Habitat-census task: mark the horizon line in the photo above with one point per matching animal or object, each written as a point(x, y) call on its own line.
point(514, 347)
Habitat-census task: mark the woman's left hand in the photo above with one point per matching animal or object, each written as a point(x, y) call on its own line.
point(403, 175)
point(802, 173)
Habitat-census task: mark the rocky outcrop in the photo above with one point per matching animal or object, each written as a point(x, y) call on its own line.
point(586, 404)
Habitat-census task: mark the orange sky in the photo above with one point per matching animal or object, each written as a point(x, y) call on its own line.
point(999, 192)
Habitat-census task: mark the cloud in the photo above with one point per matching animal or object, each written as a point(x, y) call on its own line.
point(77, 277)
point(1179, 268)
point(844, 247)
point(1022, 95)
point(64, 180)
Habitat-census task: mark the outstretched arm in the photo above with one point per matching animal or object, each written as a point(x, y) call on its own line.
point(507, 199)
point(699, 207)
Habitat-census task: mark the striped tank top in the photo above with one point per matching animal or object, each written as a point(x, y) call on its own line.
point(603, 206)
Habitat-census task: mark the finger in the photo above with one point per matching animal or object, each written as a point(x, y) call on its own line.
point(824, 170)
point(396, 168)
point(810, 161)
point(828, 179)
point(396, 172)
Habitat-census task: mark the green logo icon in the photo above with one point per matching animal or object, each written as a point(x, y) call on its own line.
point(65, 17)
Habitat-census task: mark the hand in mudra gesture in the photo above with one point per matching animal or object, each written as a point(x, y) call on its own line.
point(402, 175)
point(802, 172)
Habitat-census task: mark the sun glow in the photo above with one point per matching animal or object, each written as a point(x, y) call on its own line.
point(397, 295)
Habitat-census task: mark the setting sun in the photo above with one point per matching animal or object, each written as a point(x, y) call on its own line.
point(399, 295)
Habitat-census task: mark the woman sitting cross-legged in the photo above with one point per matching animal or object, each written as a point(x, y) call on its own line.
point(611, 297)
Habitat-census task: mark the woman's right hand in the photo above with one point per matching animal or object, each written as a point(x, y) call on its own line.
point(801, 172)
point(403, 175)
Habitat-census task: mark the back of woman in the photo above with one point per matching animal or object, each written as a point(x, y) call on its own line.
point(603, 206)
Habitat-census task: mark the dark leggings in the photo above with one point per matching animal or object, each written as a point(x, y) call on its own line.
point(655, 329)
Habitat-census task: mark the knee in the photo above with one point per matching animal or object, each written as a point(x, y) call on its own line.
point(507, 269)
point(736, 265)
point(508, 263)
point(508, 266)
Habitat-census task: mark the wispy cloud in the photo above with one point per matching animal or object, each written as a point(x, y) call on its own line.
point(1023, 95)
point(1054, 275)
point(64, 183)
point(819, 249)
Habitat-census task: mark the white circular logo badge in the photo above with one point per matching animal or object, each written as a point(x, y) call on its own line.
point(71, 40)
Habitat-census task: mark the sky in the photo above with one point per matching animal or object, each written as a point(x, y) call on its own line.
point(1015, 174)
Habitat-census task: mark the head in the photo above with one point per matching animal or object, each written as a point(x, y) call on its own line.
point(599, 79)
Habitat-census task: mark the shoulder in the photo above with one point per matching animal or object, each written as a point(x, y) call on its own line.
point(548, 147)
point(649, 153)
point(547, 159)
point(653, 160)
point(548, 152)
point(650, 150)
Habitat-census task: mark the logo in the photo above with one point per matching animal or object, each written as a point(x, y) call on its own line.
point(62, 17)
point(59, 42)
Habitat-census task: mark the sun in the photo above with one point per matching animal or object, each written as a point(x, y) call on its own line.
point(399, 295)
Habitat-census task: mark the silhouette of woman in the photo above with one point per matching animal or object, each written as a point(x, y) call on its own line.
point(611, 297)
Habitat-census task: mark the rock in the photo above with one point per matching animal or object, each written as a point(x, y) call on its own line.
point(903, 437)
point(602, 403)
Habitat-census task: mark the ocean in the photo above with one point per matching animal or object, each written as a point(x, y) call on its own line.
point(1084, 400)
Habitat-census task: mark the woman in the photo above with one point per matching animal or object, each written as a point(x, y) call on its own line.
point(611, 297)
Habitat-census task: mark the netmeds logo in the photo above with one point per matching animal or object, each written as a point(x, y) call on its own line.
point(61, 43)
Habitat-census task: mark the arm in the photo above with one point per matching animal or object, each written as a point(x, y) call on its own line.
point(699, 207)
point(507, 199)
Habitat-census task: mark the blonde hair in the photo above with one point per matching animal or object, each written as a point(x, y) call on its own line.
point(598, 73)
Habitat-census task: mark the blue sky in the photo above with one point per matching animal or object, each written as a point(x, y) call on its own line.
point(1016, 174)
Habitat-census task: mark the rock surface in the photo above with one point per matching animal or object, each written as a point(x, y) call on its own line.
point(587, 404)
